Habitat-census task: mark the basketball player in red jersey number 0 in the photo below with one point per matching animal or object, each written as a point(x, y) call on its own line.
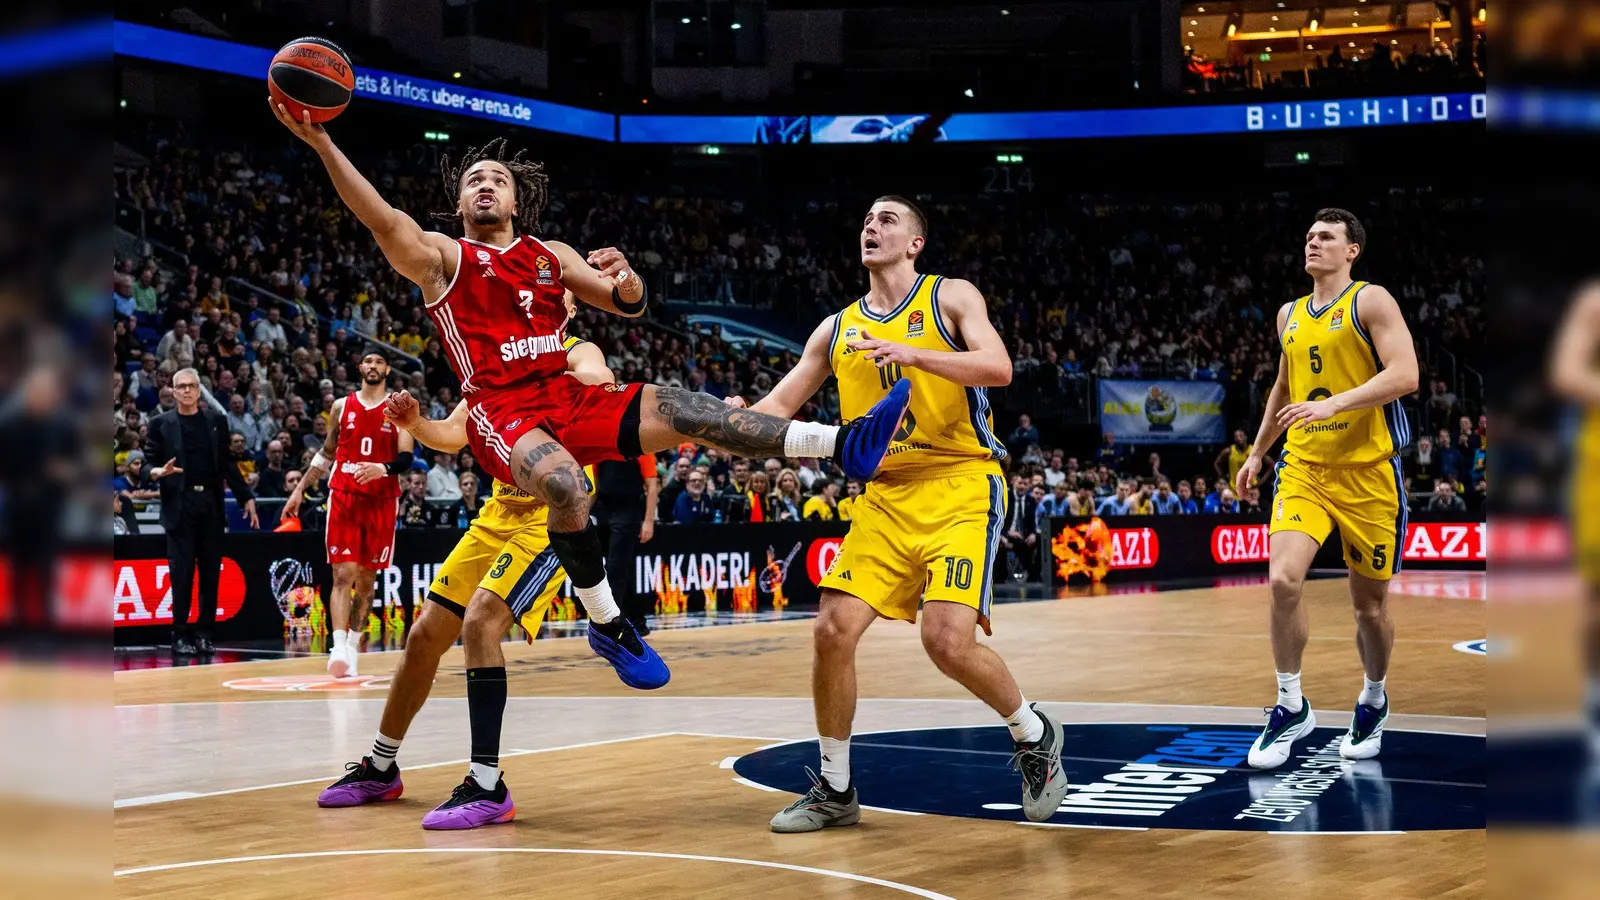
point(496, 298)
point(367, 453)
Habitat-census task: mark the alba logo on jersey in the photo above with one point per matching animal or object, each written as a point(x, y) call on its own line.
point(529, 348)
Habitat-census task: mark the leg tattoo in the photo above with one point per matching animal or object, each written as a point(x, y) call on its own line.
point(525, 469)
point(708, 420)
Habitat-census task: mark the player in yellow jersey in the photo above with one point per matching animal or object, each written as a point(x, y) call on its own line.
point(1346, 360)
point(501, 568)
point(1575, 375)
point(923, 536)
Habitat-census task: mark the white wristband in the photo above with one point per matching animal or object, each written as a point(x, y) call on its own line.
point(320, 461)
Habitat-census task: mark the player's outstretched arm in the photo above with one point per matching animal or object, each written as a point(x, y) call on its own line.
point(1379, 314)
point(985, 362)
point(588, 364)
point(448, 435)
point(1572, 371)
point(417, 254)
point(802, 382)
point(604, 280)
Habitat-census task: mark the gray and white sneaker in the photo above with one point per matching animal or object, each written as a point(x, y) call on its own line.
point(821, 807)
point(1044, 782)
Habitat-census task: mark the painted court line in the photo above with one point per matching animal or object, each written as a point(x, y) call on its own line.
point(760, 787)
point(727, 762)
point(1086, 827)
point(1336, 832)
point(1253, 711)
point(191, 795)
point(759, 863)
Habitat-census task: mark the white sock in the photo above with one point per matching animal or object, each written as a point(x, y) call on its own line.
point(835, 762)
point(1372, 693)
point(384, 749)
point(354, 641)
point(339, 638)
point(810, 440)
point(1025, 725)
point(1289, 691)
point(486, 776)
point(599, 603)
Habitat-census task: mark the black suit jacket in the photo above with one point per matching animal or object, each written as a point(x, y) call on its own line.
point(166, 442)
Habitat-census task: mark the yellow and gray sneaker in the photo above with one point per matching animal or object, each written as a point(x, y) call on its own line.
point(1044, 782)
point(821, 807)
point(1365, 737)
point(1271, 750)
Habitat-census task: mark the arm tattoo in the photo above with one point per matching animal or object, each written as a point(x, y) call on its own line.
point(330, 443)
point(708, 420)
point(530, 460)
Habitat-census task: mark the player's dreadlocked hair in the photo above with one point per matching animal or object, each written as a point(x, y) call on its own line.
point(532, 185)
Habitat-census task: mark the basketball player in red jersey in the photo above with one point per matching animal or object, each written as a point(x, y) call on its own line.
point(496, 298)
point(367, 453)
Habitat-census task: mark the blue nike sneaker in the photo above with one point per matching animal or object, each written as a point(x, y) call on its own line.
point(635, 661)
point(863, 443)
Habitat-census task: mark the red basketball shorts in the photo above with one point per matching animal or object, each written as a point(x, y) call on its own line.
point(583, 418)
point(361, 529)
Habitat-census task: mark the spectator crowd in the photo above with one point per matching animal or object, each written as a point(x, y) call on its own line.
point(251, 271)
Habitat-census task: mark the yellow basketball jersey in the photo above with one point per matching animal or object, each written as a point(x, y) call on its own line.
point(947, 423)
point(1329, 353)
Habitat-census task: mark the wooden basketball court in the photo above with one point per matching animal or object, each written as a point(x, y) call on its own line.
point(623, 794)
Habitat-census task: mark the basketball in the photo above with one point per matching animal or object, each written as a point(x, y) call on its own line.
point(311, 74)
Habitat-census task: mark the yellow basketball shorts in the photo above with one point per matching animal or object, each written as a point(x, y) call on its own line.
point(1366, 502)
point(510, 557)
point(927, 539)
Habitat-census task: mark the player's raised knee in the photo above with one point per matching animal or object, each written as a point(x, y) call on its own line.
point(1286, 586)
point(433, 632)
point(487, 619)
point(831, 636)
point(947, 646)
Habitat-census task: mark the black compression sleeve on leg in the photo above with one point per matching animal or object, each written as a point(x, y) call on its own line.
point(486, 708)
point(580, 555)
point(628, 429)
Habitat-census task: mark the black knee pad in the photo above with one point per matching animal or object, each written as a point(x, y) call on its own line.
point(579, 552)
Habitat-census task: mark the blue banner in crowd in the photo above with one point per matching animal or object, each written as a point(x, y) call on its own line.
point(1309, 115)
point(182, 49)
point(1163, 412)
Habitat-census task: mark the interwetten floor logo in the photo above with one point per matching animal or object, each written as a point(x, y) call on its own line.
point(1163, 776)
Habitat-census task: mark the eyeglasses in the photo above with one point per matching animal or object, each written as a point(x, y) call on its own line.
point(186, 387)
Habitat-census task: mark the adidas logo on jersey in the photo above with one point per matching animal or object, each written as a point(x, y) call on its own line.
point(530, 348)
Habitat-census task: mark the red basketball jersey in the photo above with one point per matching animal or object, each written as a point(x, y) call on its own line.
point(502, 318)
point(364, 436)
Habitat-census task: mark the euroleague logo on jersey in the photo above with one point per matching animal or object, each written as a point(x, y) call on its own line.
point(542, 263)
point(914, 324)
point(1337, 322)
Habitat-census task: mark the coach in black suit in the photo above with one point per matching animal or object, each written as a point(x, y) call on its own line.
point(191, 443)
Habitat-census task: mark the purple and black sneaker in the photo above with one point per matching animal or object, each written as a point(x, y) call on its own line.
point(363, 783)
point(472, 806)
